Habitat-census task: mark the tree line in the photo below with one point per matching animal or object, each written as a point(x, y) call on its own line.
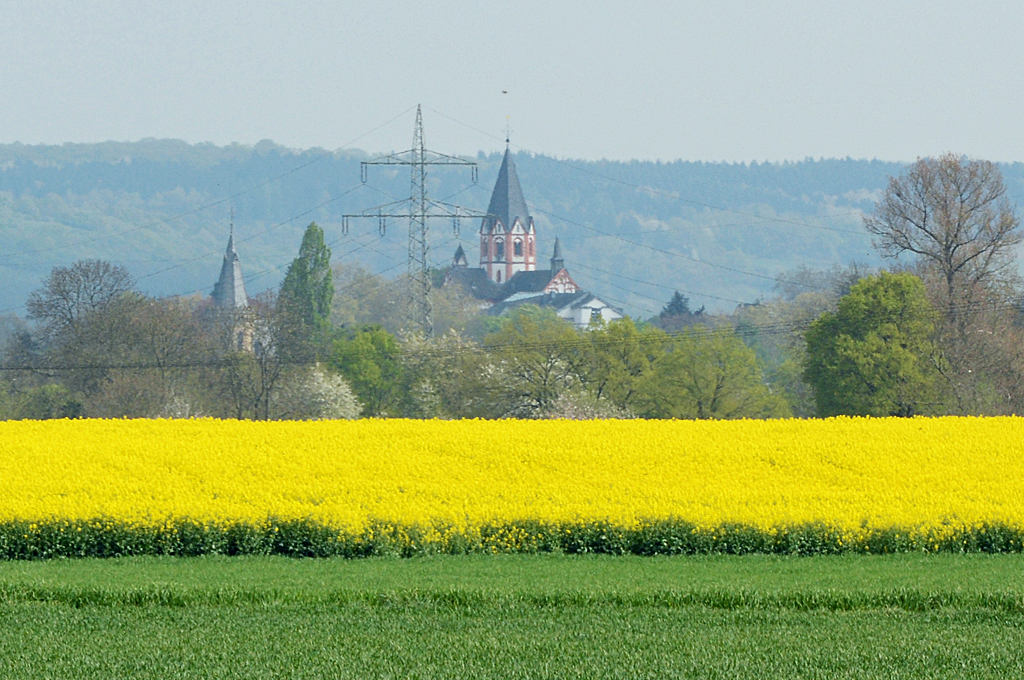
point(939, 331)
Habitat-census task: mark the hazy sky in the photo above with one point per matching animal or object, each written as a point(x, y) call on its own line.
point(710, 80)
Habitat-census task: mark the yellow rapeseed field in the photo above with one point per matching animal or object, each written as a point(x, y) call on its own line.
point(852, 474)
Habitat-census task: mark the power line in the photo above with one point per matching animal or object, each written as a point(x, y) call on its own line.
point(213, 204)
point(696, 331)
point(659, 192)
point(657, 285)
point(671, 253)
point(419, 215)
point(261, 233)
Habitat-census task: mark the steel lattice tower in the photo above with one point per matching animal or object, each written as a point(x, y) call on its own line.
point(420, 210)
point(420, 307)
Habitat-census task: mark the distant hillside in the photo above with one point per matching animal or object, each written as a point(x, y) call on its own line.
point(632, 231)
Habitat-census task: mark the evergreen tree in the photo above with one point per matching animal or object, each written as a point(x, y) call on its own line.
point(308, 287)
point(679, 305)
point(677, 314)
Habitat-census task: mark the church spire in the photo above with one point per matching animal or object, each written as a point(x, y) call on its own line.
point(229, 291)
point(557, 263)
point(507, 200)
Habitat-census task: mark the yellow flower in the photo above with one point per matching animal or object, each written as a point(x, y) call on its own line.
point(926, 478)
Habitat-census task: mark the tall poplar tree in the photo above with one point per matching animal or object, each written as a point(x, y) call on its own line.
point(308, 288)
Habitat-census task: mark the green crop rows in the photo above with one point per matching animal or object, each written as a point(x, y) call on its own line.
point(535, 616)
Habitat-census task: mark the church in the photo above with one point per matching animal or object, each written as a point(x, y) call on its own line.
point(230, 299)
point(508, 276)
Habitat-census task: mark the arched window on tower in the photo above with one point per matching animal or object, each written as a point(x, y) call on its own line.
point(517, 248)
point(499, 251)
point(499, 276)
point(531, 248)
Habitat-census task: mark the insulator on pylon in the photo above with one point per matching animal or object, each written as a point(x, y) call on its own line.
point(344, 225)
point(382, 225)
point(455, 224)
point(362, 172)
point(473, 173)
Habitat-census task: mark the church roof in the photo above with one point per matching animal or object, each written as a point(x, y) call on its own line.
point(507, 201)
point(475, 282)
point(557, 301)
point(229, 291)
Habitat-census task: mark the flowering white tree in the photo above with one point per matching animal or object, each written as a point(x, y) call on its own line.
point(315, 394)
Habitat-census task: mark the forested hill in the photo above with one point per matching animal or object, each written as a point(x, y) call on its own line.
point(632, 231)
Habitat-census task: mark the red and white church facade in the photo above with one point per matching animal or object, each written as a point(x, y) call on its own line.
point(508, 276)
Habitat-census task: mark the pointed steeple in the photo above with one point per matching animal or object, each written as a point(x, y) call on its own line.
point(557, 263)
point(460, 259)
point(507, 201)
point(229, 291)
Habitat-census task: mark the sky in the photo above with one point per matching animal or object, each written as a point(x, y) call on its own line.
point(711, 81)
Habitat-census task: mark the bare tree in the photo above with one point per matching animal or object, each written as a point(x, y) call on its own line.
point(151, 349)
point(953, 213)
point(252, 363)
point(70, 293)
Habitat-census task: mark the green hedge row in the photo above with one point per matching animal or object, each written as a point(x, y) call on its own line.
point(107, 538)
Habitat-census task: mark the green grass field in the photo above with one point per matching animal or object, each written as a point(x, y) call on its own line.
point(516, 616)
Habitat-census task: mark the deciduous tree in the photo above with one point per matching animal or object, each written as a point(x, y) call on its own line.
point(875, 355)
point(618, 358)
point(371, 362)
point(707, 374)
point(69, 294)
point(951, 212)
point(539, 356)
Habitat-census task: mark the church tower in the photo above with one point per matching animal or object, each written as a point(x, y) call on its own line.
point(508, 240)
point(231, 299)
point(229, 291)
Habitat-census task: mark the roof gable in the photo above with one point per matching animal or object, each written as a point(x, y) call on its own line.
point(561, 282)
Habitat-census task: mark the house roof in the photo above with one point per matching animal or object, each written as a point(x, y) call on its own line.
point(558, 301)
point(507, 201)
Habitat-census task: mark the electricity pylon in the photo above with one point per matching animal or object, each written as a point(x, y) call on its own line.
point(420, 210)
